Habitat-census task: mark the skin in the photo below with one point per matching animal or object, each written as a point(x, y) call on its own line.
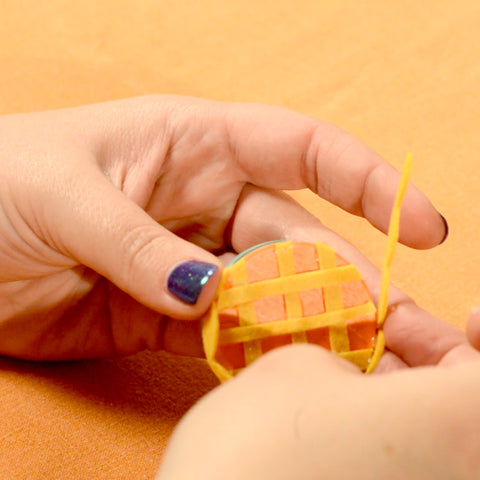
point(98, 205)
point(300, 413)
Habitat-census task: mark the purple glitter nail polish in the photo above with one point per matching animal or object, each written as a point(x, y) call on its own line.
point(188, 279)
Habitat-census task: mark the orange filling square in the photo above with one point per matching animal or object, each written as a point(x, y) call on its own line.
point(231, 356)
point(305, 258)
point(270, 309)
point(262, 265)
point(270, 343)
point(354, 293)
point(361, 333)
point(312, 302)
point(228, 318)
point(319, 336)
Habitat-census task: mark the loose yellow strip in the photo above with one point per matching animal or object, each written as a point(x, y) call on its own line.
point(393, 233)
point(377, 352)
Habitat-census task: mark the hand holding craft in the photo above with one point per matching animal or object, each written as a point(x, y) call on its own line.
point(301, 413)
point(281, 293)
point(115, 218)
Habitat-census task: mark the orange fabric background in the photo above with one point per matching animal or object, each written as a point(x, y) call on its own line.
point(402, 76)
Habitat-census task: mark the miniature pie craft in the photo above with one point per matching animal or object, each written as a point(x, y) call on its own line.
point(286, 292)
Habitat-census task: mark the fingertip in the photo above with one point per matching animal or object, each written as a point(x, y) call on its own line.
point(473, 328)
point(188, 279)
point(421, 225)
point(445, 227)
point(192, 285)
point(423, 228)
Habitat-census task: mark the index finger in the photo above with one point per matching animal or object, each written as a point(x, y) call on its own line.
point(270, 147)
point(419, 338)
point(281, 149)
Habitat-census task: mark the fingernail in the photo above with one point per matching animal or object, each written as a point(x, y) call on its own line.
point(446, 228)
point(188, 279)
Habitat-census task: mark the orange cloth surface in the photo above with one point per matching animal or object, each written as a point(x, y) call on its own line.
point(402, 76)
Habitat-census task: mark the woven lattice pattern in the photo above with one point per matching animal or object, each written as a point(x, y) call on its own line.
point(288, 292)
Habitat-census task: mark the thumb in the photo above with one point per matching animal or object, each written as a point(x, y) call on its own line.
point(300, 360)
point(103, 229)
point(255, 417)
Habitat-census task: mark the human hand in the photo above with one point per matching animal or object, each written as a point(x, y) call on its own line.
point(99, 204)
point(300, 413)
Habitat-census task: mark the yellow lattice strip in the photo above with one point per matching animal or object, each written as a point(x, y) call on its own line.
point(210, 334)
point(360, 358)
point(210, 342)
point(281, 327)
point(246, 314)
point(393, 233)
point(333, 300)
point(293, 305)
point(281, 286)
point(331, 292)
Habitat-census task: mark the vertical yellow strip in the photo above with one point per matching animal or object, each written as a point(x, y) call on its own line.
point(333, 301)
point(393, 233)
point(293, 305)
point(246, 315)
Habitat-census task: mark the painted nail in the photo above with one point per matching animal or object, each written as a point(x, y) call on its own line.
point(446, 228)
point(188, 279)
